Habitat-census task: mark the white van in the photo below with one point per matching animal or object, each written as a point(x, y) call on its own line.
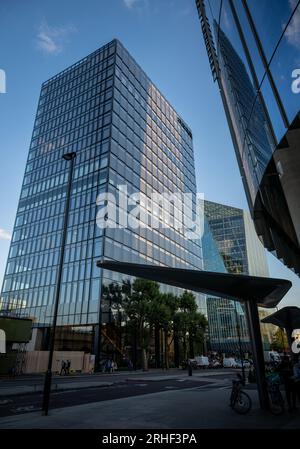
point(229, 362)
point(202, 361)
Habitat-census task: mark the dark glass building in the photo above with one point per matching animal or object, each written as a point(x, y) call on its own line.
point(253, 50)
point(235, 247)
point(236, 239)
point(127, 138)
point(226, 318)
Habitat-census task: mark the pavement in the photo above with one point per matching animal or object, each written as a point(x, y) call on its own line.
point(195, 408)
point(199, 407)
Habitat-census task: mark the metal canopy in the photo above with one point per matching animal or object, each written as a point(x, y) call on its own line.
point(287, 317)
point(266, 292)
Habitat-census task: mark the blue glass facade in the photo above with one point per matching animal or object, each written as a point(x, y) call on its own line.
point(253, 50)
point(226, 318)
point(124, 132)
point(231, 245)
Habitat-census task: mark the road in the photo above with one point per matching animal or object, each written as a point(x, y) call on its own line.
point(122, 385)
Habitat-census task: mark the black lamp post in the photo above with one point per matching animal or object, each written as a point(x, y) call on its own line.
point(70, 157)
point(239, 340)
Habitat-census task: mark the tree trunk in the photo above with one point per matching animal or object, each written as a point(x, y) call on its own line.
point(176, 350)
point(157, 347)
point(191, 347)
point(184, 345)
point(166, 350)
point(145, 359)
point(134, 352)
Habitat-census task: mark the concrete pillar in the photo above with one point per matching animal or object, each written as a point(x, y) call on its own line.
point(258, 353)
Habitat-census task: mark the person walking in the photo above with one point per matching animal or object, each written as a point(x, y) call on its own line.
point(62, 368)
point(296, 377)
point(285, 370)
point(68, 367)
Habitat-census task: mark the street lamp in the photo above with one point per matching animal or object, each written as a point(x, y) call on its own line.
point(69, 157)
point(110, 306)
point(239, 340)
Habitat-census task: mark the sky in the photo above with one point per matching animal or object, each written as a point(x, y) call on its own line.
point(40, 38)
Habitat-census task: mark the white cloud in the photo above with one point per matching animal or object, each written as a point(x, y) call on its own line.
point(130, 3)
point(51, 39)
point(292, 33)
point(4, 235)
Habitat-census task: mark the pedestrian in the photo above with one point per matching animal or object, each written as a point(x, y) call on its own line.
point(68, 366)
point(130, 365)
point(62, 368)
point(103, 366)
point(12, 371)
point(296, 377)
point(285, 369)
point(251, 375)
point(107, 366)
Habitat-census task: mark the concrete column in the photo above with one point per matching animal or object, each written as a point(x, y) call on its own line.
point(258, 353)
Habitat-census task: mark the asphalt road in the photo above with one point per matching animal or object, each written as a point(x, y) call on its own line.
point(12, 405)
point(38, 379)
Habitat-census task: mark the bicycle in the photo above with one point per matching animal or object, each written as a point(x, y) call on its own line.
point(276, 399)
point(240, 401)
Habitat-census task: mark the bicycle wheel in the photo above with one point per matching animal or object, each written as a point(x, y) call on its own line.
point(243, 403)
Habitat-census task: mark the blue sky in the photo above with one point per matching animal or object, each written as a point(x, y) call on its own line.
point(40, 38)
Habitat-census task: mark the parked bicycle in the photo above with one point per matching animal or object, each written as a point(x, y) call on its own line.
point(240, 401)
point(276, 398)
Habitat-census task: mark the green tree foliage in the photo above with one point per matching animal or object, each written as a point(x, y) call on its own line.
point(279, 341)
point(189, 325)
point(145, 308)
point(139, 309)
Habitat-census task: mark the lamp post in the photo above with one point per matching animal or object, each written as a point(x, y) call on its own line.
point(69, 157)
point(239, 340)
point(110, 306)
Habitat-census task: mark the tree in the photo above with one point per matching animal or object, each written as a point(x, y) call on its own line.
point(197, 327)
point(279, 341)
point(163, 309)
point(138, 307)
point(112, 294)
point(189, 324)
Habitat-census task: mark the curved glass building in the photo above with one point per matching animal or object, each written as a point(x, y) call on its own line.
point(254, 53)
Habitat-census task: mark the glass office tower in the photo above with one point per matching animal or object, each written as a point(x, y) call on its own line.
point(241, 252)
point(128, 139)
point(235, 236)
point(227, 329)
point(253, 50)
